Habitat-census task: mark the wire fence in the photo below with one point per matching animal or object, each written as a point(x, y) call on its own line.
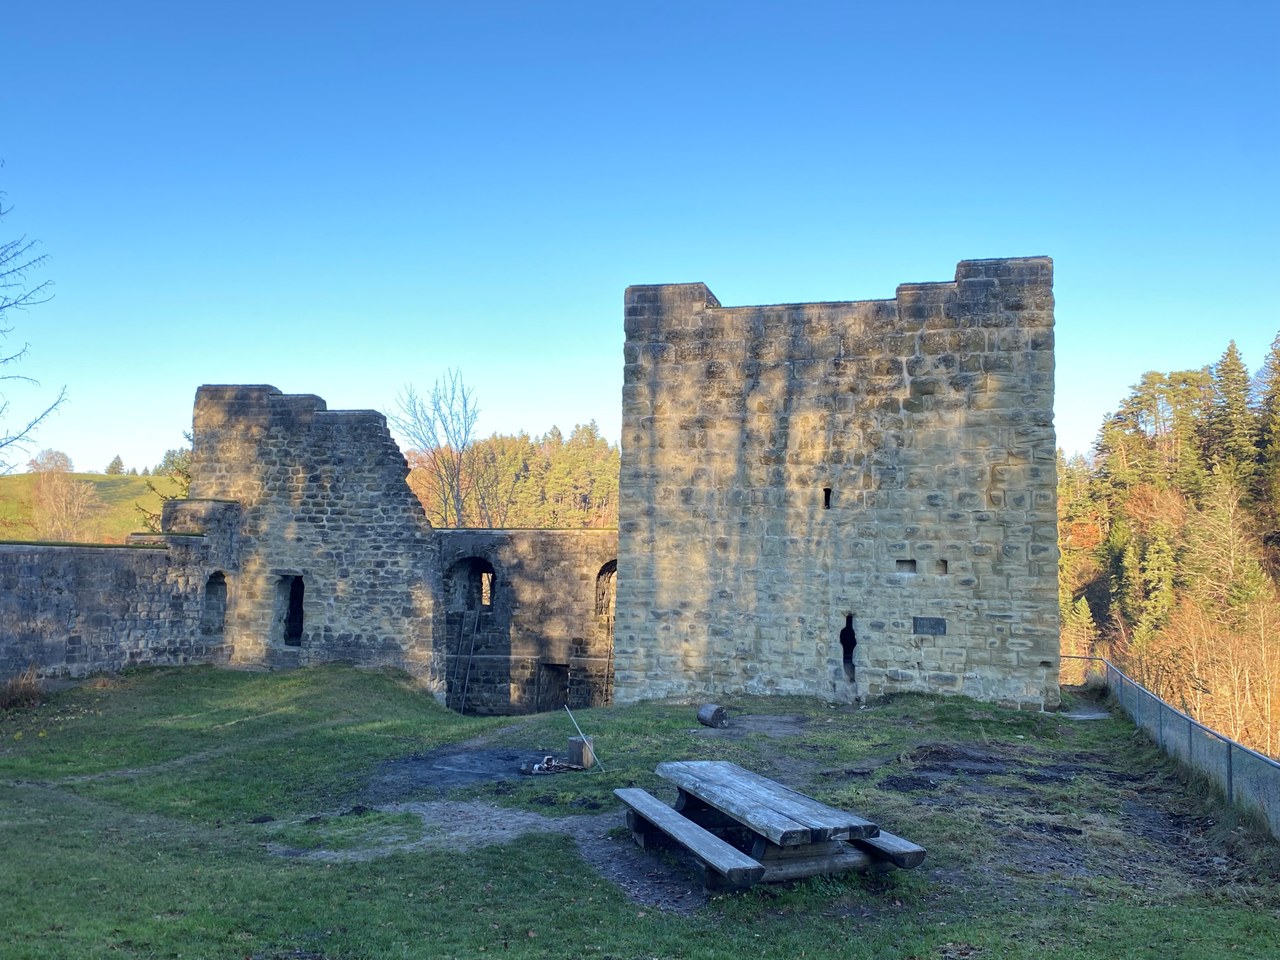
point(1249, 779)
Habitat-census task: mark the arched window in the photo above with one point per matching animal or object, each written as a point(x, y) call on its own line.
point(471, 584)
point(606, 581)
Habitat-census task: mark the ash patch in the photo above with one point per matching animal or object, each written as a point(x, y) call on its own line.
point(438, 772)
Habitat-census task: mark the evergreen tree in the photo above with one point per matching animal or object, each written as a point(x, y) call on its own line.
point(176, 465)
point(1157, 574)
point(1152, 438)
point(116, 467)
point(1079, 637)
point(174, 462)
point(1266, 487)
point(1165, 556)
point(1230, 434)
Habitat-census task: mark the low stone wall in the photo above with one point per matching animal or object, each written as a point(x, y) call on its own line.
point(75, 610)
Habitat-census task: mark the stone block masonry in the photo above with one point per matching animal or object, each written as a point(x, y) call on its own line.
point(528, 618)
point(829, 499)
point(303, 544)
point(841, 499)
point(333, 557)
point(76, 610)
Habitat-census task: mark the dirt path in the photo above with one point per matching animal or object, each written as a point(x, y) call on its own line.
point(450, 825)
point(1044, 824)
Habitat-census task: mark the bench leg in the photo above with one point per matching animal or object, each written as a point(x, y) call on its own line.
point(713, 882)
point(792, 863)
point(646, 835)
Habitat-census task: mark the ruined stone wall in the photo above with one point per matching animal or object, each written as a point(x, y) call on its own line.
point(303, 544)
point(539, 634)
point(76, 610)
point(333, 556)
point(885, 469)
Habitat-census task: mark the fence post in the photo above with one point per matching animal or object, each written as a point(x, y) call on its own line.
point(1262, 786)
point(1231, 752)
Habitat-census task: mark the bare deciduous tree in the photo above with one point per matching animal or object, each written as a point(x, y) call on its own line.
point(18, 258)
point(49, 460)
point(440, 429)
point(63, 508)
point(176, 465)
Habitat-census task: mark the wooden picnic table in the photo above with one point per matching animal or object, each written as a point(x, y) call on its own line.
point(744, 828)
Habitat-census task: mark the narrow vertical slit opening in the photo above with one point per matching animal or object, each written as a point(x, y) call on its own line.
point(848, 640)
point(293, 619)
point(826, 498)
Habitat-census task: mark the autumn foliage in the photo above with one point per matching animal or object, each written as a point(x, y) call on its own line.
point(521, 481)
point(1170, 540)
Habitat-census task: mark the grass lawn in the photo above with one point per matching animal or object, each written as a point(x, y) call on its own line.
point(209, 813)
point(112, 524)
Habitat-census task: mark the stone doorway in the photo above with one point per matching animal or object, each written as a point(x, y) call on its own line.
point(552, 687)
point(288, 620)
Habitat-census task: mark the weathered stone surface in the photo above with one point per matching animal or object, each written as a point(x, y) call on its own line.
point(544, 640)
point(72, 611)
point(789, 472)
point(322, 503)
point(787, 467)
point(303, 544)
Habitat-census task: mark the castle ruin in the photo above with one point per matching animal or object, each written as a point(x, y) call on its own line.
point(834, 499)
point(841, 499)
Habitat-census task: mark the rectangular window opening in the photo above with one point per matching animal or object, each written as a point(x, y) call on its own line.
point(486, 589)
point(906, 566)
point(826, 498)
point(939, 566)
point(289, 619)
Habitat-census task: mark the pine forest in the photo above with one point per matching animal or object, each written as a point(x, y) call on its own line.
point(1170, 542)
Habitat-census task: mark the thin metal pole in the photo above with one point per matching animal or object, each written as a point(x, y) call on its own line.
point(1231, 787)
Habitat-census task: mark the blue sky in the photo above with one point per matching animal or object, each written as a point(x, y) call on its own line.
point(342, 199)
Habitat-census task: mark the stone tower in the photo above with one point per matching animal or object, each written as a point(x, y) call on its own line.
point(841, 499)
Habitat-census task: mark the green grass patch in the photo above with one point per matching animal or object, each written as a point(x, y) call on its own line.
point(113, 524)
point(358, 828)
point(210, 813)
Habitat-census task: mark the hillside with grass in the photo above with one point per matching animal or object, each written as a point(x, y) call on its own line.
point(110, 520)
point(334, 813)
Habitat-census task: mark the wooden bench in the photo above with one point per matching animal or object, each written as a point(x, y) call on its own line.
point(887, 848)
point(722, 867)
point(743, 828)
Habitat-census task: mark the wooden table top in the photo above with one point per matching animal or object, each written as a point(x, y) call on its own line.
point(781, 815)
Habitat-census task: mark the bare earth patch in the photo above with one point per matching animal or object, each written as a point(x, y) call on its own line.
point(1050, 818)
